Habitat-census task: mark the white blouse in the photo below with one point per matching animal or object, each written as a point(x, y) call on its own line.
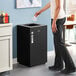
point(53, 6)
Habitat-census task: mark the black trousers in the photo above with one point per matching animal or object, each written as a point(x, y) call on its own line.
point(61, 52)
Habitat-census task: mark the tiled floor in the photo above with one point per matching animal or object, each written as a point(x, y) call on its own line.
point(42, 70)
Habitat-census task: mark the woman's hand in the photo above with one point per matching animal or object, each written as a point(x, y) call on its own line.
point(37, 13)
point(54, 27)
point(43, 9)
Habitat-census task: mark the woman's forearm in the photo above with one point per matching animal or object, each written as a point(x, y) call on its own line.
point(45, 7)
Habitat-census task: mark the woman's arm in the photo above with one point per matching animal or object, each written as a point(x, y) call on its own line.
point(57, 9)
point(43, 9)
point(54, 28)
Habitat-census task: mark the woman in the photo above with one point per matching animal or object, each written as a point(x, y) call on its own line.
point(61, 52)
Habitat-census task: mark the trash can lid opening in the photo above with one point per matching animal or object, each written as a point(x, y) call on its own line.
point(33, 24)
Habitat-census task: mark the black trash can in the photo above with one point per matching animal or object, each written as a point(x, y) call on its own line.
point(32, 44)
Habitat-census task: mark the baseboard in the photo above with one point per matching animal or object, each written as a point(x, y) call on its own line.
point(15, 61)
point(49, 53)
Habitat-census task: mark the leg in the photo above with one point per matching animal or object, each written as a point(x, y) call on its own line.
point(69, 64)
point(57, 41)
point(58, 58)
point(58, 64)
point(60, 49)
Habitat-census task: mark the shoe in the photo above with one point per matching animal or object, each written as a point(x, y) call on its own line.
point(68, 71)
point(53, 68)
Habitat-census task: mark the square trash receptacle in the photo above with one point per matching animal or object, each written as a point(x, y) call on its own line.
point(32, 44)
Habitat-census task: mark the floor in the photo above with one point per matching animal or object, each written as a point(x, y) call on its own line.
point(41, 70)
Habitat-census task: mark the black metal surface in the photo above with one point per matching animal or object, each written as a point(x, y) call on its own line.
point(31, 53)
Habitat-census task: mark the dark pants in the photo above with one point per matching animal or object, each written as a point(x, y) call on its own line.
point(61, 52)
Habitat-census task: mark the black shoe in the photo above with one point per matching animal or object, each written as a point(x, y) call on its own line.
point(68, 71)
point(53, 68)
